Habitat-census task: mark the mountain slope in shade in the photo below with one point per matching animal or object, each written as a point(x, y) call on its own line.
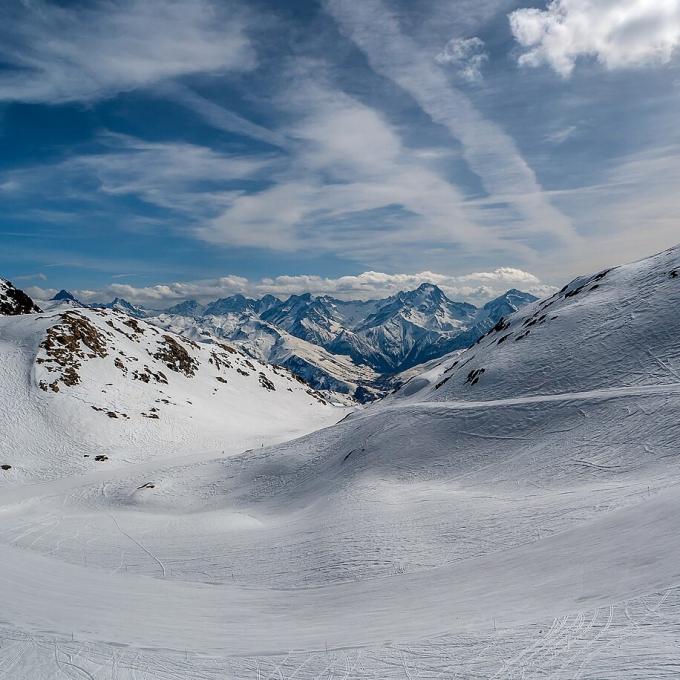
point(64, 295)
point(187, 308)
point(507, 304)
point(14, 301)
point(468, 527)
point(83, 383)
point(236, 304)
point(318, 367)
point(417, 326)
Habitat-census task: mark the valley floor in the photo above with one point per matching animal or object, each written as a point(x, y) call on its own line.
point(520, 538)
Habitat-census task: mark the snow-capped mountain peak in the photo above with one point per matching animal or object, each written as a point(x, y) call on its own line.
point(508, 303)
point(121, 305)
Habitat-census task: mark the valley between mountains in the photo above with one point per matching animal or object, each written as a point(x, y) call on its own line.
point(173, 505)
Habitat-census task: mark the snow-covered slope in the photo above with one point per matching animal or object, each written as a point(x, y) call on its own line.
point(446, 532)
point(616, 328)
point(84, 383)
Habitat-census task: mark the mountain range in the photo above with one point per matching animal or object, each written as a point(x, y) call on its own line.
point(354, 347)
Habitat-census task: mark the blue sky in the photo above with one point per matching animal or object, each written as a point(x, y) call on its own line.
point(162, 149)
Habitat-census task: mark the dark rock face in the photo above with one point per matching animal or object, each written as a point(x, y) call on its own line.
point(14, 301)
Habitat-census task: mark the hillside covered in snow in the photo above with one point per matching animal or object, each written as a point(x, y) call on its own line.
point(83, 385)
point(508, 513)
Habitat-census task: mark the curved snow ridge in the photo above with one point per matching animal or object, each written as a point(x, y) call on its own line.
point(626, 554)
point(589, 395)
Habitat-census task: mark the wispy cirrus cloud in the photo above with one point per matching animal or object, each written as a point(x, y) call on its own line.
point(60, 53)
point(632, 212)
point(621, 34)
point(489, 152)
point(219, 117)
point(30, 277)
point(346, 163)
point(348, 184)
point(185, 178)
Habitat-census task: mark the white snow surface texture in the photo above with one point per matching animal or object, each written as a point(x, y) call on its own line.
point(509, 513)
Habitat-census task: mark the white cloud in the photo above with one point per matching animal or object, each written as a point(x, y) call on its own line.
point(561, 135)
point(29, 277)
point(618, 33)
point(58, 53)
point(509, 275)
point(345, 163)
point(477, 287)
point(466, 55)
point(171, 175)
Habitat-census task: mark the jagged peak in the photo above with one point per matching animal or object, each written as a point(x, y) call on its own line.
point(64, 294)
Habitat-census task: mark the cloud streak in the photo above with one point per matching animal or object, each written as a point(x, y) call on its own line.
point(350, 185)
point(188, 179)
point(219, 117)
point(489, 152)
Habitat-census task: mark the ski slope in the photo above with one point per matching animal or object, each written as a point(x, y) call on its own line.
point(464, 530)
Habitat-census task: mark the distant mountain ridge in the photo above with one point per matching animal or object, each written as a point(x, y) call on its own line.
point(121, 305)
point(388, 335)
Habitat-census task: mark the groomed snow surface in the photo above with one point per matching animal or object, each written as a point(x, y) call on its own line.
point(519, 521)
